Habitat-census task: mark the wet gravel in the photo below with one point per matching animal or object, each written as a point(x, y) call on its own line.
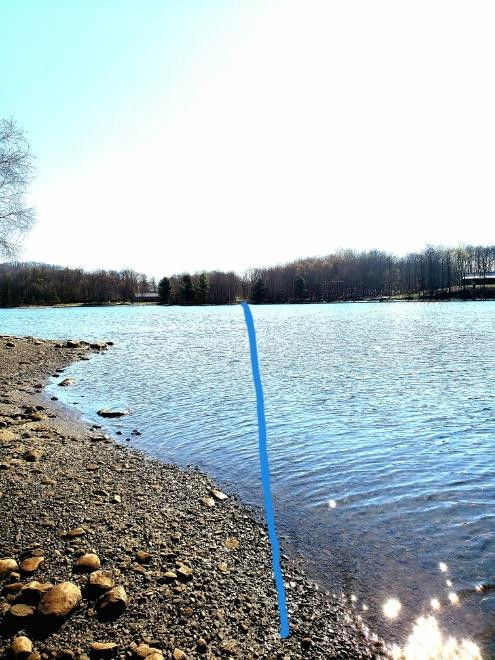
point(193, 568)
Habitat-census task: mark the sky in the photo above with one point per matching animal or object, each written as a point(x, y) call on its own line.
point(188, 135)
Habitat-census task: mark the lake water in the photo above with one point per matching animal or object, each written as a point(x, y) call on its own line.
point(386, 409)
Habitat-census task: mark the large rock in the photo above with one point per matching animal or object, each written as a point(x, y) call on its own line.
point(7, 566)
point(113, 602)
point(60, 601)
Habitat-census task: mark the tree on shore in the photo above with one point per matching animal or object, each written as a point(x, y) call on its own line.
point(202, 289)
point(16, 164)
point(299, 288)
point(186, 289)
point(164, 290)
point(258, 292)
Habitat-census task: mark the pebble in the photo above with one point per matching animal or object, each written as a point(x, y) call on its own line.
point(48, 482)
point(21, 611)
point(113, 602)
point(60, 601)
point(218, 495)
point(34, 590)
point(184, 573)
point(143, 557)
point(77, 531)
point(7, 566)
point(66, 382)
point(201, 645)
point(21, 646)
point(88, 563)
point(179, 655)
point(207, 501)
point(6, 435)
point(31, 564)
point(103, 649)
point(144, 651)
point(100, 581)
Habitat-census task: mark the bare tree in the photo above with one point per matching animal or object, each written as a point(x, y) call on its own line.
point(16, 164)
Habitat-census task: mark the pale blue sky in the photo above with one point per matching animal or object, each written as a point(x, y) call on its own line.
point(187, 135)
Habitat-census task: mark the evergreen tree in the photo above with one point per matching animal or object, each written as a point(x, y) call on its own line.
point(186, 290)
point(202, 289)
point(258, 292)
point(164, 290)
point(299, 288)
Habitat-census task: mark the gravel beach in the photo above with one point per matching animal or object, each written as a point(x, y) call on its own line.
point(105, 552)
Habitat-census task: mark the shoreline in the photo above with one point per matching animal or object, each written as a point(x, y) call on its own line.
point(425, 299)
point(195, 568)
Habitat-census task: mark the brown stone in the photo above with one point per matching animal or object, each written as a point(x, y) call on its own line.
point(7, 566)
point(32, 455)
point(21, 612)
point(113, 602)
point(31, 564)
point(6, 435)
point(77, 531)
point(103, 649)
point(184, 573)
point(101, 581)
point(144, 651)
point(21, 646)
point(201, 645)
point(13, 588)
point(87, 563)
point(232, 543)
point(143, 557)
point(48, 482)
point(33, 591)
point(179, 655)
point(60, 601)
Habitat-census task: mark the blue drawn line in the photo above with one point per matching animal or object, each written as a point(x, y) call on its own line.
point(265, 475)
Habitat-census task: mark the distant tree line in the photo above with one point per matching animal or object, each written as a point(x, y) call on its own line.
point(433, 273)
point(41, 284)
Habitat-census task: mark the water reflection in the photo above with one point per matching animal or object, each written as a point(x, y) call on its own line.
point(391, 608)
point(427, 642)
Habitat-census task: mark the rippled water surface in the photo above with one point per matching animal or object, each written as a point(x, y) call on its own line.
point(387, 409)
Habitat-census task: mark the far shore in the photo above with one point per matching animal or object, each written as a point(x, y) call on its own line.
point(156, 557)
point(392, 299)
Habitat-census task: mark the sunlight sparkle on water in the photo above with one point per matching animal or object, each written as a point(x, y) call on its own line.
point(332, 504)
point(427, 642)
point(435, 604)
point(454, 598)
point(391, 608)
point(443, 567)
